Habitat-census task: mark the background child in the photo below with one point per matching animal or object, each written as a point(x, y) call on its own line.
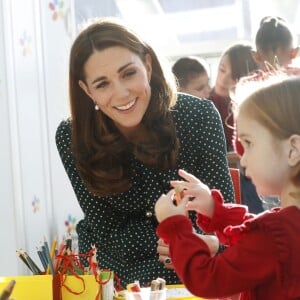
point(192, 74)
point(276, 47)
point(236, 61)
point(275, 43)
point(263, 260)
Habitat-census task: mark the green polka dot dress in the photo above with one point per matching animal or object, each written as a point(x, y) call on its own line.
point(123, 227)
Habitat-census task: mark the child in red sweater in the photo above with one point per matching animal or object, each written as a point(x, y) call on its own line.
point(262, 260)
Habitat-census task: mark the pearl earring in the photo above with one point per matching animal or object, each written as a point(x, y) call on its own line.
point(96, 107)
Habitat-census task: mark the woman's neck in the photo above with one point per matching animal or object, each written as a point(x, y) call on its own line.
point(134, 134)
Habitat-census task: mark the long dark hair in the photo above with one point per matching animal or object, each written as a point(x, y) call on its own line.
point(102, 154)
point(241, 60)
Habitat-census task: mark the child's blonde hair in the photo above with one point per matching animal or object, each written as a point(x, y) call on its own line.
point(273, 100)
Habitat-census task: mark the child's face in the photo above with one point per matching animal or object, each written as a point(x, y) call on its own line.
point(264, 158)
point(224, 81)
point(198, 86)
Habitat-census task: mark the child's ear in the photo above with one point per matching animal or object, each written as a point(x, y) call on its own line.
point(256, 56)
point(294, 52)
point(294, 151)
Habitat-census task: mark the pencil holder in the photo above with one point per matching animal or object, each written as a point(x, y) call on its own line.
point(83, 287)
point(34, 287)
point(66, 287)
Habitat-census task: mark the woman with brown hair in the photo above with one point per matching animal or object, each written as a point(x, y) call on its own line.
point(127, 136)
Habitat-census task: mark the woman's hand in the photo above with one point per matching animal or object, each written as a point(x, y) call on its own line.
point(212, 242)
point(200, 194)
point(164, 253)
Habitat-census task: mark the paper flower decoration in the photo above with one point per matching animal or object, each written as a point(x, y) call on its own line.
point(57, 9)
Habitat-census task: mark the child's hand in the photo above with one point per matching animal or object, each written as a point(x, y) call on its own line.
point(200, 193)
point(165, 206)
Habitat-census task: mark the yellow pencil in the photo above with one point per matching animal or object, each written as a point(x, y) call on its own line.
point(52, 253)
point(53, 247)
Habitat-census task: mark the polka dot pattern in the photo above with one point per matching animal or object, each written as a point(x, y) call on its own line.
point(123, 227)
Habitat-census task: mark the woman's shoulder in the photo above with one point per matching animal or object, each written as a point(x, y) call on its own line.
point(64, 127)
point(192, 101)
point(195, 115)
point(63, 132)
point(190, 105)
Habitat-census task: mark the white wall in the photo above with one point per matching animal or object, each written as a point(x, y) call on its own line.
point(7, 205)
point(35, 195)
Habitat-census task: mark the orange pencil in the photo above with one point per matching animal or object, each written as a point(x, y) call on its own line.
point(178, 194)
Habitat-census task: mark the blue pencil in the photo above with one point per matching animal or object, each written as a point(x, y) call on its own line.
point(43, 259)
point(48, 256)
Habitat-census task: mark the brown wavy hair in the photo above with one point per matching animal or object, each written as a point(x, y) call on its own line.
point(102, 154)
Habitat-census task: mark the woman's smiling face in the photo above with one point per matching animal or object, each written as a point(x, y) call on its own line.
point(117, 80)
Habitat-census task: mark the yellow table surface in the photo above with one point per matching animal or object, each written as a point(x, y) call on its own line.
point(174, 292)
point(37, 287)
point(179, 291)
